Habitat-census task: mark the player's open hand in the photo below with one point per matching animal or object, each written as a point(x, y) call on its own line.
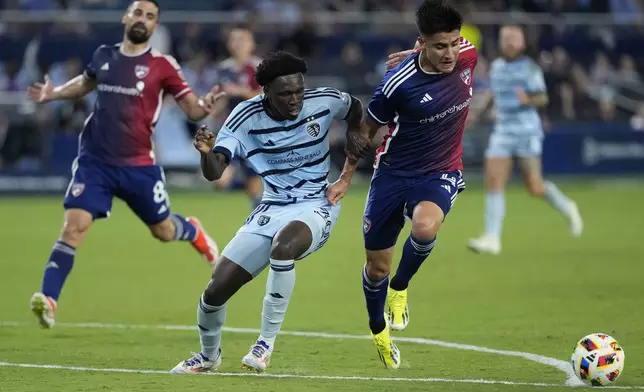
point(337, 190)
point(204, 140)
point(41, 92)
point(210, 100)
point(396, 58)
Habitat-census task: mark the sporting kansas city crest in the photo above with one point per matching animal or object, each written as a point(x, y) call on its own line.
point(141, 71)
point(263, 220)
point(466, 76)
point(313, 129)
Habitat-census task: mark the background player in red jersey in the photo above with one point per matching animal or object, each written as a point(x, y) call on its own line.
point(425, 102)
point(116, 155)
point(237, 74)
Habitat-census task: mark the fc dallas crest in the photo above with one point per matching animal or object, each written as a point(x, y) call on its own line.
point(141, 71)
point(466, 76)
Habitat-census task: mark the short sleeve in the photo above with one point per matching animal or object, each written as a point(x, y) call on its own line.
point(536, 80)
point(227, 144)
point(173, 81)
point(381, 108)
point(339, 103)
point(92, 66)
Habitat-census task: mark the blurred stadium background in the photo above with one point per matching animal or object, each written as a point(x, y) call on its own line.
point(589, 49)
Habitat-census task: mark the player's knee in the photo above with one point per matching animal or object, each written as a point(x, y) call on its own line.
point(75, 227)
point(212, 295)
point(163, 231)
point(284, 250)
point(425, 228)
point(426, 221)
point(376, 268)
point(536, 188)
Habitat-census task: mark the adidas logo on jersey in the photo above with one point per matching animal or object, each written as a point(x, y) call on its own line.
point(269, 143)
point(426, 98)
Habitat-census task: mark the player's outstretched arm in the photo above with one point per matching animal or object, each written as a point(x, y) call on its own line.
point(198, 108)
point(213, 163)
point(75, 88)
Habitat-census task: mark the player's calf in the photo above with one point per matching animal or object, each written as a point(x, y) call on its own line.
point(426, 221)
point(289, 243)
point(375, 280)
point(177, 228)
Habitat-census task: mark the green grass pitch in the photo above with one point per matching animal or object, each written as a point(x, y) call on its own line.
point(544, 292)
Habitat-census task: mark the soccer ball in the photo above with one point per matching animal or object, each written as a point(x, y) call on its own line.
point(598, 359)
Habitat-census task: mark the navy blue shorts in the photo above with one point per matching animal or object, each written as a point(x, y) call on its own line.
point(392, 198)
point(94, 184)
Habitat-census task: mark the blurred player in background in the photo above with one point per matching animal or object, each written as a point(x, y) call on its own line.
point(116, 154)
point(518, 90)
point(424, 101)
point(284, 135)
point(237, 75)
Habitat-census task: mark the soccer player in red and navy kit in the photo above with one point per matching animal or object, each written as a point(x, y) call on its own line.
point(116, 154)
point(425, 102)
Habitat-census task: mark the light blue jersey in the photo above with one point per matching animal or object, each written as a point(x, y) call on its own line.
point(292, 156)
point(506, 76)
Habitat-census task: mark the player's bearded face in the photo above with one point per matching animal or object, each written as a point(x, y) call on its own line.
point(511, 41)
point(138, 33)
point(140, 21)
point(286, 95)
point(441, 50)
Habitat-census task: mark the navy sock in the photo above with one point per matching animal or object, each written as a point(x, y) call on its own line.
point(414, 253)
point(375, 293)
point(184, 230)
point(59, 265)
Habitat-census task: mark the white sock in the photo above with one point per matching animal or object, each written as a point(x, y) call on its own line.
point(556, 198)
point(494, 213)
point(279, 288)
point(210, 320)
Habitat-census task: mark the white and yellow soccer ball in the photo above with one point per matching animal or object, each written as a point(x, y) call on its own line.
point(598, 359)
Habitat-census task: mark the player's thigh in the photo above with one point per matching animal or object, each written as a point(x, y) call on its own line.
point(498, 160)
point(432, 198)
point(384, 212)
point(144, 191)
point(320, 221)
point(250, 251)
point(91, 189)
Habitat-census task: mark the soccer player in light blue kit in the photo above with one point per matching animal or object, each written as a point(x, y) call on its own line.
point(518, 89)
point(284, 135)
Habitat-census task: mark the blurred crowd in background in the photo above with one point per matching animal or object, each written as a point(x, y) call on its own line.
point(593, 71)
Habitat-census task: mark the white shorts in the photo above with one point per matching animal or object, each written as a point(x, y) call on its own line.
point(251, 246)
point(509, 146)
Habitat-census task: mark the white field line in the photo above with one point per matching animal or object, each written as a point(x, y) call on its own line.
point(270, 375)
point(564, 366)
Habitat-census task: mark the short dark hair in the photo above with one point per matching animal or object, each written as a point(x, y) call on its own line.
point(278, 64)
point(436, 16)
point(155, 2)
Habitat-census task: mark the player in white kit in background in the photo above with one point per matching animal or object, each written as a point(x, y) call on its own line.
point(284, 135)
point(518, 90)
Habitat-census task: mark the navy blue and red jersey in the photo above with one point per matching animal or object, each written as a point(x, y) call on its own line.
point(426, 115)
point(130, 95)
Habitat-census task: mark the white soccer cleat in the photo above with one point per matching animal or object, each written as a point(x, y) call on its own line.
point(258, 357)
point(576, 224)
point(44, 308)
point(485, 244)
point(197, 364)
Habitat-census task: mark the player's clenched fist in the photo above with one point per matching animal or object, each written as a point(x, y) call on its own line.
point(204, 139)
